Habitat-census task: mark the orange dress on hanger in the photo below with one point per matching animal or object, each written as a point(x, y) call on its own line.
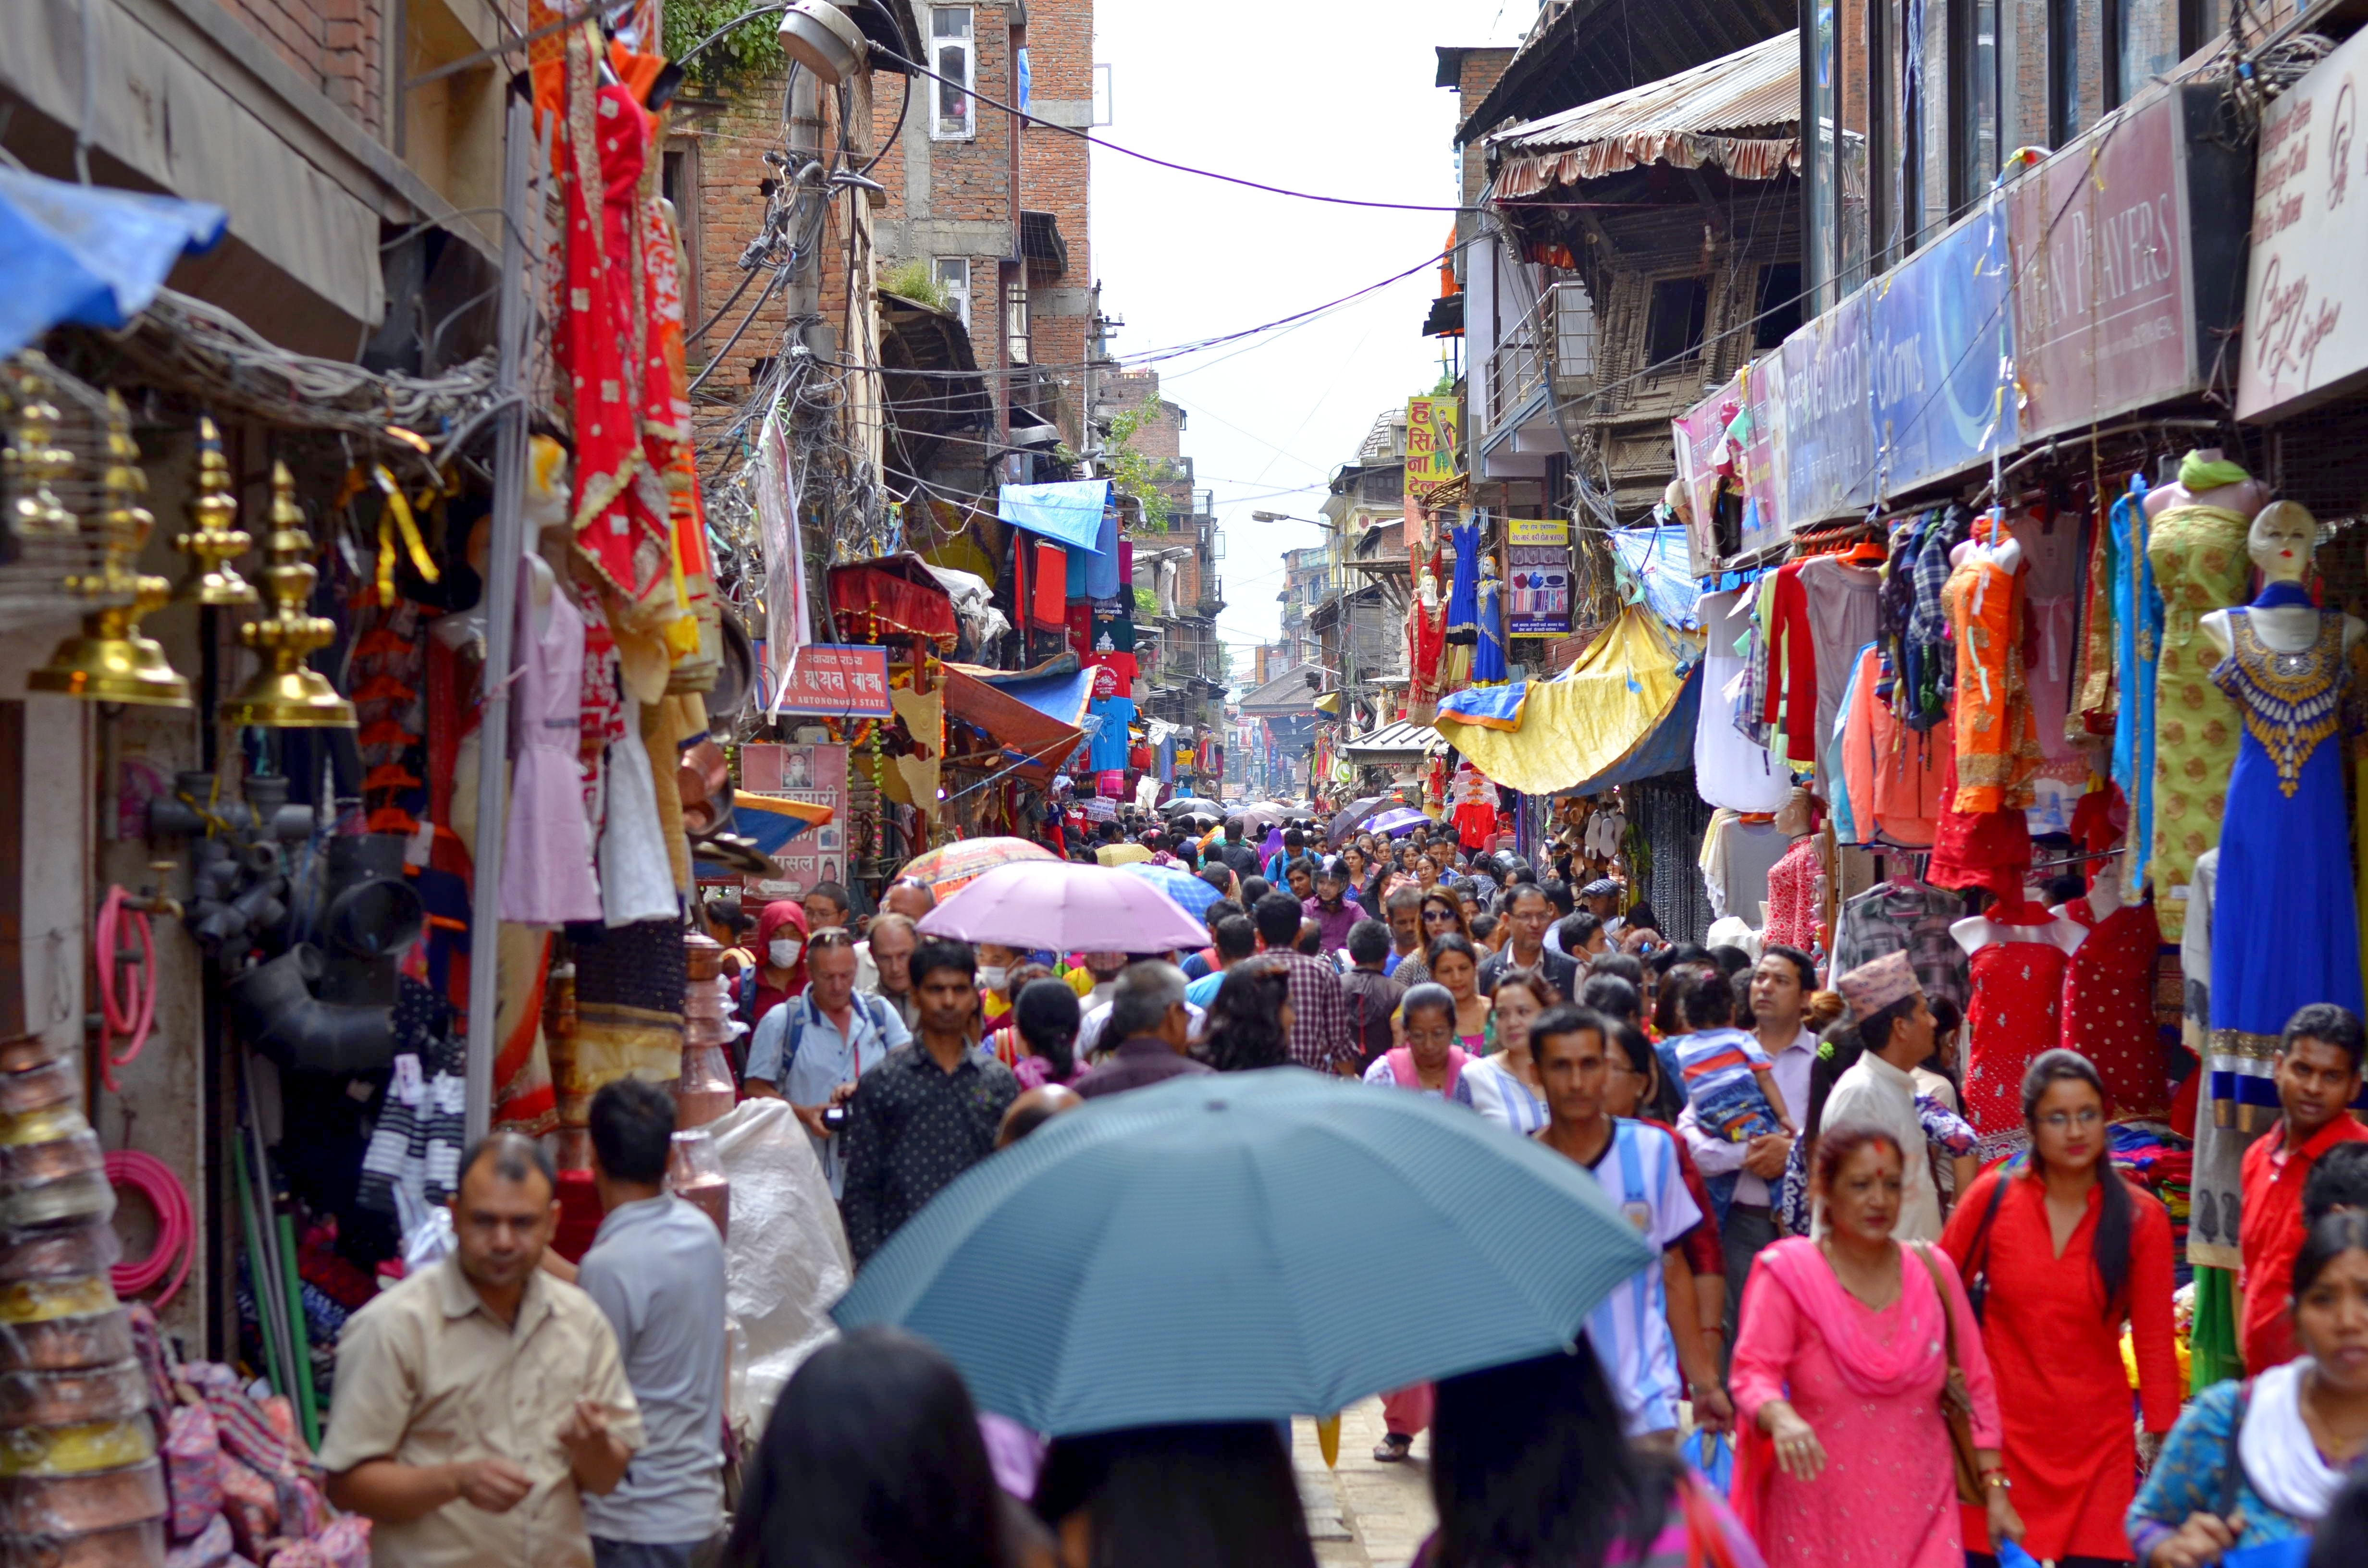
point(1998, 741)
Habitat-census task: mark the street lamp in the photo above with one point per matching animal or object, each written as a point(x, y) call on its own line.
point(1288, 518)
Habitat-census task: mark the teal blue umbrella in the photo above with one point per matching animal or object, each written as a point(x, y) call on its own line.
point(1246, 1247)
point(1185, 887)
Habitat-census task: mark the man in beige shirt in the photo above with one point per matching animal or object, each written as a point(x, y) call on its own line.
point(477, 1398)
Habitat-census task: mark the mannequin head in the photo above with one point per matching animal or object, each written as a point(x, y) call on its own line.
point(2281, 541)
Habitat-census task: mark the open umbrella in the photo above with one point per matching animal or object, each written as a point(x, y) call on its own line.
point(1350, 817)
point(1190, 894)
point(953, 866)
point(1200, 1250)
point(1403, 819)
point(1201, 804)
point(1067, 907)
point(1266, 814)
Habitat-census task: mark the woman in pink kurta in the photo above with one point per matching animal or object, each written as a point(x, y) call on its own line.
point(1845, 1461)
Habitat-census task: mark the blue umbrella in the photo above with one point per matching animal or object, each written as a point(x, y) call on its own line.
point(1180, 885)
point(1405, 818)
point(1246, 1247)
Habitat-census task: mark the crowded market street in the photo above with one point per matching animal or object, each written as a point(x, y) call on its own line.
point(975, 784)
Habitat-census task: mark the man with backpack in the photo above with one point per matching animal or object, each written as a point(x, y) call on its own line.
point(810, 1049)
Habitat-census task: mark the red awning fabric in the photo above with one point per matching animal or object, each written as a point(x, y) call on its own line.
point(1038, 722)
point(893, 599)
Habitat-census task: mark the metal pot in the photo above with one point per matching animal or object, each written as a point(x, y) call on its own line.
point(72, 1252)
point(44, 1126)
point(84, 1394)
point(78, 1504)
point(50, 1084)
point(132, 1546)
point(26, 1051)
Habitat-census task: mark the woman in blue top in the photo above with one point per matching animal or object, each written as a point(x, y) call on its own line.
point(2262, 1462)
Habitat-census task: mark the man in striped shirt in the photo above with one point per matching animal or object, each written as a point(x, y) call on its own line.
point(1323, 1035)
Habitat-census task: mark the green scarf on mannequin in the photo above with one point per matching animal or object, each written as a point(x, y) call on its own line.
point(2197, 473)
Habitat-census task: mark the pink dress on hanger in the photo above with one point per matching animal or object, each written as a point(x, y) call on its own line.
point(547, 876)
point(1792, 897)
point(2109, 1006)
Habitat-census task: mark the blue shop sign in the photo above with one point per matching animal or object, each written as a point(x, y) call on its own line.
point(1942, 344)
point(1825, 442)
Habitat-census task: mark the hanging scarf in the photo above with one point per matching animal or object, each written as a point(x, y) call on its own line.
point(2197, 472)
point(2281, 1460)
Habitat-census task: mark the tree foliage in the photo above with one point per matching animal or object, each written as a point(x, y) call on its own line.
point(1133, 472)
point(751, 49)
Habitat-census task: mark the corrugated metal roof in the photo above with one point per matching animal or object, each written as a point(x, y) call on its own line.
point(1400, 739)
point(1753, 87)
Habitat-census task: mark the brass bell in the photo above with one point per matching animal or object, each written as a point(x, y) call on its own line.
point(214, 538)
point(109, 661)
point(33, 460)
point(286, 694)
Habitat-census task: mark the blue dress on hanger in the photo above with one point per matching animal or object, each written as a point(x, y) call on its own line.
point(1489, 658)
point(2138, 640)
point(2284, 926)
point(1464, 586)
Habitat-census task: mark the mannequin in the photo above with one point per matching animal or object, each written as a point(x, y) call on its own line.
point(2280, 543)
point(2195, 546)
point(2284, 919)
point(2019, 952)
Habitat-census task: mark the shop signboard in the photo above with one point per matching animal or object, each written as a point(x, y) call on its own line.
point(1730, 520)
point(1431, 438)
point(1825, 442)
point(2310, 230)
point(841, 680)
point(1537, 584)
point(2104, 283)
point(813, 773)
point(1942, 341)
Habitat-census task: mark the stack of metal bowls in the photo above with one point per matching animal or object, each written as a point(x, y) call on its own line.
point(81, 1485)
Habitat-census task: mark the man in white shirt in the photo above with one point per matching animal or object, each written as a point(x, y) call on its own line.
point(1780, 985)
point(1896, 1026)
point(1646, 1330)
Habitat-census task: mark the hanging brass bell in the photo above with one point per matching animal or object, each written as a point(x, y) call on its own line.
point(286, 694)
point(33, 460)
point(214, 538)
point(109, 661)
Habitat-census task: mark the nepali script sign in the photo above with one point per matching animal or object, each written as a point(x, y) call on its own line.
point(1431, 439)
point(838, 679)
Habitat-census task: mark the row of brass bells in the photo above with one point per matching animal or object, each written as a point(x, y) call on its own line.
point(109, 661)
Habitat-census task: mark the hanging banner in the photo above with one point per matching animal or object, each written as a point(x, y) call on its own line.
point(2103, 287)
point(1942, 339)
point(1726, 458)
point(2310, 234)
point(838, 679)
point(815, 774)
point(1432, 440)
point(1825, 442)
point(1537, 567)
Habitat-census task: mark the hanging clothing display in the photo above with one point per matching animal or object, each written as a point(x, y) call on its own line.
point(1976, 849)
point(1731, 769)
point(1472, 806)
point(2094, 693)
point(2137, 644)
point(1931, 669)
point(2238, 1102)
point(636, 877)
point(1907, 916)
point(2015, 1013)
point(1890, 776)
point(1463, 589)
point(2285, 928)
point(1426, 641)
point(1792, 899)
point(1997, 749)
point(2198, 558)
point(1824, 611)
point(546, 846)
point(2109, 1003)
point(1489, 656)
point(1736, 857)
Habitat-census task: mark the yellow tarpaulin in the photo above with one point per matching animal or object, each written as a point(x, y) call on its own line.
point(1585, 721)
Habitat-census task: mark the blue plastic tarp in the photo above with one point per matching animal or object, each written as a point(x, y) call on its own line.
point(1069, 514)
point(1656, 560)
point(88, 255)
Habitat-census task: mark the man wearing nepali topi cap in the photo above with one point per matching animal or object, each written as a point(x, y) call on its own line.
point(1895, 1026)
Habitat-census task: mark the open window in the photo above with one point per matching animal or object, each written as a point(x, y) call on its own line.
point(953, 54)
point(1673, 326)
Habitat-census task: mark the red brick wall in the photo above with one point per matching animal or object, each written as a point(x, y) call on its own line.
point(337, 45)
point(1053, 178)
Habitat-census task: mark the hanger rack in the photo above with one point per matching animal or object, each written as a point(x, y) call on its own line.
point(2056, 444)
point(2078, 860)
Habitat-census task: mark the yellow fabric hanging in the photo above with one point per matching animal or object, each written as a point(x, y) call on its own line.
point(396, 515)
point(1587, 719)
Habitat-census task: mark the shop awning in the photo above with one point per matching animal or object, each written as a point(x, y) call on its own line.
point(1038, 722)
point(88, 255)
point(1685, 120)
point(1670, 747)
point(1069, 514)
point(891, 599)
point(1592, 719)
point(1402, 741)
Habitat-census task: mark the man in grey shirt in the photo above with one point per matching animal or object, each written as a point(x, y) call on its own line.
point(655, 1268)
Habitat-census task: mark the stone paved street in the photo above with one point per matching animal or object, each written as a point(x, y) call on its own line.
point(1363, 1513)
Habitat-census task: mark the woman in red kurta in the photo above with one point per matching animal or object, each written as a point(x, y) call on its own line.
point(2069, 1251)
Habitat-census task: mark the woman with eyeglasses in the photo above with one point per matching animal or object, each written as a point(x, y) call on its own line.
point(1442, 915)
point(2056, 1256)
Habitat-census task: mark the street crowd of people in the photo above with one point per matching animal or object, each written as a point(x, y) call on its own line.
point(1916, 1362)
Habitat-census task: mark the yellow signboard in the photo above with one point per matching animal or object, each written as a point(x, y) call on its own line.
point(1432, 440)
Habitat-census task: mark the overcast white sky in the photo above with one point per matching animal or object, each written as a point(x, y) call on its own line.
point(1333, 96)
